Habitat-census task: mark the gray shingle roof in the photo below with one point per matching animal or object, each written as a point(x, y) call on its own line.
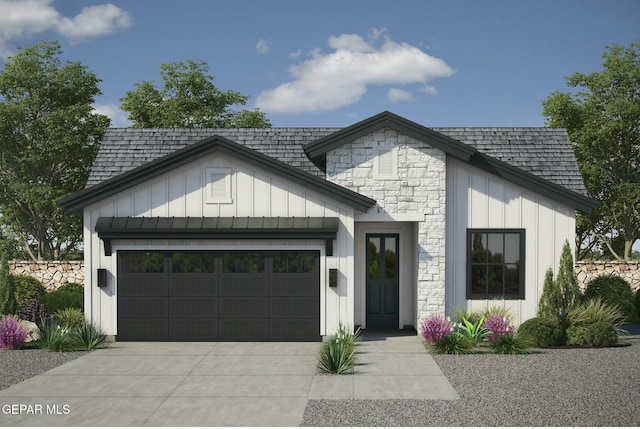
point(545, 152)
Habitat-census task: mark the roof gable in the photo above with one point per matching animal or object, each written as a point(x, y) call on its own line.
point(202, 148)
point(317, 150)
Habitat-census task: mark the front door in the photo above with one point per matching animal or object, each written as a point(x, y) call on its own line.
point(382, 281)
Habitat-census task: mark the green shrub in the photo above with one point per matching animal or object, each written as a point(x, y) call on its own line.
point(637, 299)
point(472, 316)
point(55, 339)
point(70, 318)
point(27, 289)
point(454, 344)
point(614, 290)
point(72, 287)
point(337, 355)
point(597, 334)
point(8, 304)
point(499, 309)
point(59, 300)
point(595, 310)
point(510, 345)
point(87, 337)
point(543, 331)
point(559, 296)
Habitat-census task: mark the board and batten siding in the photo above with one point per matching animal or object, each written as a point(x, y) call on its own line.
point(254, 193)
point(476, 199)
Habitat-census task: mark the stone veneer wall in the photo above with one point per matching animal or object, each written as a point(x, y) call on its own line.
point(52, 274)
point(589, 270)
point(419, 187)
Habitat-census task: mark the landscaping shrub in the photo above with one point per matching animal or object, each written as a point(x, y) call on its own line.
point(55, 339)
point(637, 299)
point(72, 287)
point(59, 300)
point(498, 326)
point(337, 355)
point(34, 312)
point(435, 328)
point(7, 288)
point(27, 289)
point(454, 344)
point(87, 337)
point(510, 344)
point(595, 310)
point(614, 290)
point(472, 316)
point(497, 309)
point(597, 334)
point(561, 295)
point(12, 333)
point(70, 318)
point(543, 331)
point(474, 332)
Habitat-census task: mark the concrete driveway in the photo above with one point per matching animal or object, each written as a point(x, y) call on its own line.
point(215, 384)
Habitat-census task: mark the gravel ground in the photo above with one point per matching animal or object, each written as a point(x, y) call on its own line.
point(549, 387)
point(19, 365)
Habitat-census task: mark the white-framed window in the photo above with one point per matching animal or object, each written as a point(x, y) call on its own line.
point(385, 165)
point(218, 185)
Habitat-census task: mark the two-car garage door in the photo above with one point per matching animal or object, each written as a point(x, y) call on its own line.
point(218, 296)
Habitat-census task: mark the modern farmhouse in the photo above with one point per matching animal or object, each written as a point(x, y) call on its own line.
point(283, 233)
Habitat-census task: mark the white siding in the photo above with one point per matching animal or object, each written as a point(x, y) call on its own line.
point(476, 199)
point(254, 193)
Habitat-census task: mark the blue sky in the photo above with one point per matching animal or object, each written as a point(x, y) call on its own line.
point(332, 63)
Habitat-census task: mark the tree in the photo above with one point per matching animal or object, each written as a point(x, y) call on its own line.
point(48, 140)
point(188, 99)
point(560, 296)
point(603, 121)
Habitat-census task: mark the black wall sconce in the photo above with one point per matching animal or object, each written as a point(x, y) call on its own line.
point(102, 277)
point(333, 277)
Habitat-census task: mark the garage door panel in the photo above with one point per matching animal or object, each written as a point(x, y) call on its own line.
point(193, 285)
point(294, 286)
point(296, 308)
point(143, 307)
point(284, 330)
point(139, 285)
point(244, 286)
point(192, 308)
point(244, 329)
point(238, 308)
point(193, 329)
point(143, 329)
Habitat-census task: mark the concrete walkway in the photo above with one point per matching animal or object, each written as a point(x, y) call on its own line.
point(215, 384)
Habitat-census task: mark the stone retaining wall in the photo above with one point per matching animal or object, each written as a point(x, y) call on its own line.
point(589, 270)
point(52, 274)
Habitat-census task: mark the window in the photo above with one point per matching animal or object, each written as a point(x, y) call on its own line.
point(293, 262)
point(243, 262)
point(218, 185)
point(495, 263)
point(193, 262)
point(143, 262)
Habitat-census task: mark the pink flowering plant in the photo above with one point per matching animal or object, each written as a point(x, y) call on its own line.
point(12, 333)
point(498, 326)
point(436, 328)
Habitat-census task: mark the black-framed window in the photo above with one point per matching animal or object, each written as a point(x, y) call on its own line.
point(495, 263)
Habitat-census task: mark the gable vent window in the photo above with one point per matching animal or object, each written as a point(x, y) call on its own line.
point(218, 185)
point(386, 164)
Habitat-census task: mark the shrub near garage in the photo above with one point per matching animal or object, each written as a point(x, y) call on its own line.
point(27, 289)
point(543, 331)
point(61, 299)
point(616, 291)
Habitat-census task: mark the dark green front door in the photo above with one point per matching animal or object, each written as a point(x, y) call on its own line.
point(382, 281)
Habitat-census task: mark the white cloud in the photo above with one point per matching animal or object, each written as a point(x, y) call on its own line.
point(263, 46)
point(340, 78)
point(296, 54)
point(428, 89)
point(396, 95)
point(21, 18)
point(118, 117)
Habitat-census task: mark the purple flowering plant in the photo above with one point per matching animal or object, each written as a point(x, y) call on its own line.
point(12, 333)
point(499, 327)
point(436, 328)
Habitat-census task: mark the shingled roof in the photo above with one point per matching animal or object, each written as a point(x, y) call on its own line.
point(545, 152)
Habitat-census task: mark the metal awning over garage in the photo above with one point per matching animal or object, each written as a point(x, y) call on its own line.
point(114, 228)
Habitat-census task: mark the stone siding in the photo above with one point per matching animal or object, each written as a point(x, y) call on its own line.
point(52, 274)
point(589, 270)
point(418, 187)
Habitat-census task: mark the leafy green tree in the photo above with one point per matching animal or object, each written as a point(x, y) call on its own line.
point(8, 303)
point(602, 117)
point(48, 140)
point(188, 99)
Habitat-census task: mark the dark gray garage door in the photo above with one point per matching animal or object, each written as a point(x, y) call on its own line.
point(218, 296)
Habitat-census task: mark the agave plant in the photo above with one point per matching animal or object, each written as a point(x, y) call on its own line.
point(475, 332)
point(87, 337)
